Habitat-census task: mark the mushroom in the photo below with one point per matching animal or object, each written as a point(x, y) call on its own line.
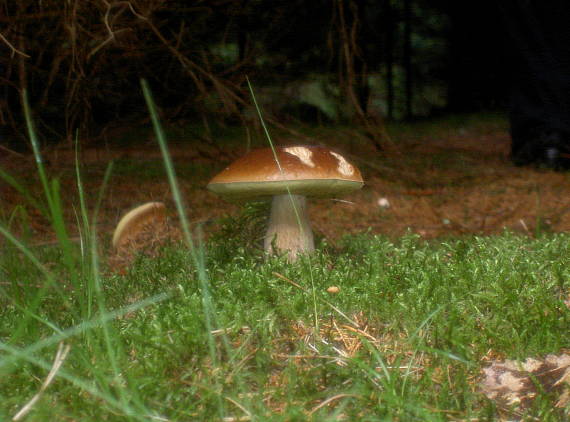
point(137, 220)
point(287, 176)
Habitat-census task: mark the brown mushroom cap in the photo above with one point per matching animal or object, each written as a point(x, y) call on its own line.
point(302, 170)
point(133, 222)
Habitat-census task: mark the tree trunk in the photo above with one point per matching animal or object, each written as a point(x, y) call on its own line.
point(408, 69)
point(389, 57)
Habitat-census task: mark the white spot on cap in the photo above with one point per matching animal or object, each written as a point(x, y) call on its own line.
point(344, 167)
point(302, 153)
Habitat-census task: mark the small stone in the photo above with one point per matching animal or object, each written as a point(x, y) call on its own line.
point(383, 203)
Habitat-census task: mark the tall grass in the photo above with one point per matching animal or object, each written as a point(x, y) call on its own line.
point(66, 304)
point(77, 312)
point(197, 255)
point(297, 216)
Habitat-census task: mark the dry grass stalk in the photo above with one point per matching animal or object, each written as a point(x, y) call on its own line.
point(330, 400)
point(60, 357)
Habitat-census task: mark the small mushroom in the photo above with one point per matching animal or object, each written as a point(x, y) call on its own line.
point(287, 177)
point(135, 221)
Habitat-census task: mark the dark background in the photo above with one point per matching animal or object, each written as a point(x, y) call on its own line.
point(319, 61)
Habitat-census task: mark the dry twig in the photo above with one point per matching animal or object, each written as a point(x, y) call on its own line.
point(12, 48)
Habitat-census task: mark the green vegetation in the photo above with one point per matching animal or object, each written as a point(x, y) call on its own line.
point(404, 339)
point(213, 331)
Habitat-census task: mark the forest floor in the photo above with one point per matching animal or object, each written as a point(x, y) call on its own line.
point(443, 177)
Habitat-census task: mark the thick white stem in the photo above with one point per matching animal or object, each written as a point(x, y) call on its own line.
point(289, 227)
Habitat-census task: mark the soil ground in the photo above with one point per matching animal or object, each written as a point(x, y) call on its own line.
point(444, 177)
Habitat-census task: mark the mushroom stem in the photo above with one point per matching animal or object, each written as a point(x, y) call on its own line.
point(289, 227)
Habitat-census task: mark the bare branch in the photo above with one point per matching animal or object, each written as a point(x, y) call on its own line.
point(14, 49)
